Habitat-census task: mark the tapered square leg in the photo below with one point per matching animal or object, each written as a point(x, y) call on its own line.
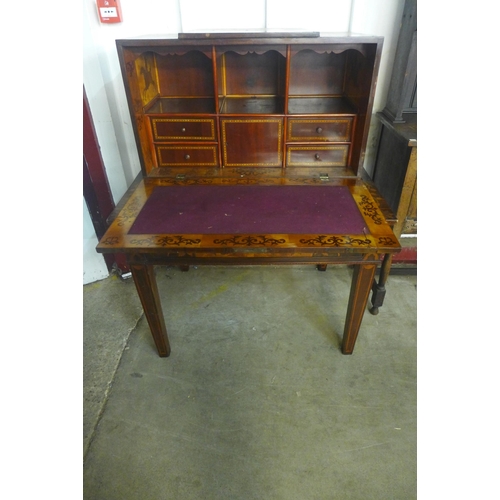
point(362, 280)
point(145, 282)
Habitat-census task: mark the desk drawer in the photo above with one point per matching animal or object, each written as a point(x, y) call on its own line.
point(183, 129)
point(316, 130)
point(184, 155)
point(317, 156)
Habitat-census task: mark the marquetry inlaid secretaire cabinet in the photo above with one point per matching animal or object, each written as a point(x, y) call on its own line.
point(251, 149)
point(261, 101)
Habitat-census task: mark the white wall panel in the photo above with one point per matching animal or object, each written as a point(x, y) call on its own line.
point(222, 15)
point(377, 17)
point(105, 92)
point(381, 18)
point(94, 266)
point(314, 15)
point(95, 88)
point(103, 80)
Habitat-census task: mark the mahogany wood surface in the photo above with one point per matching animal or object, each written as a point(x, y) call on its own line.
point(226, 110)
point(360, 289)
point(145, 282)
point(263, 76)
point(252, 73)
point(252, 142)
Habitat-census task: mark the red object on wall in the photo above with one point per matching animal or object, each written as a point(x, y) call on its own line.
point(109, 11)
point(96, 190)
point(408, 255)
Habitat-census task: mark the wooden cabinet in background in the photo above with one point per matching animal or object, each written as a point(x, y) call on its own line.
point(395, 175)
point(395, 172)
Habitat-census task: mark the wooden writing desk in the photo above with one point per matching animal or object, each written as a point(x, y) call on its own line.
point(251, 148)
point(250, 221)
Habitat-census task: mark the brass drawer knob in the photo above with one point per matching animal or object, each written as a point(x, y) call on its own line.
point(183, 129)
point(187, 157)
point(317, 157)
point(319, 130)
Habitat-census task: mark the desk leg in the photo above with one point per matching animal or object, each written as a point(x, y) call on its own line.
point(362, 280)
point(378, 289)
point(145, 282)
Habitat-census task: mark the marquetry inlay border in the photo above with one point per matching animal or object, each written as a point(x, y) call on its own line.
point(371, 210)
point(165, 240)
point(376, 237)
point(336, 241)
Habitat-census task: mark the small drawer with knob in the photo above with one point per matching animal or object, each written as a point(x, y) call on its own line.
point(317, 156)
point(187, 155)
point(320, 130)
point(183, 129)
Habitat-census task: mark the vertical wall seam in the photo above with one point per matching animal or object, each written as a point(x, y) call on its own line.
point(351, 13)
point(179, 10)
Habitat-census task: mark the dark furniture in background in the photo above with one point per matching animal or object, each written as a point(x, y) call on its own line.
point(395, 172)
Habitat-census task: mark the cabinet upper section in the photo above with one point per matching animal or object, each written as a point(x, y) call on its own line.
point(171, 82)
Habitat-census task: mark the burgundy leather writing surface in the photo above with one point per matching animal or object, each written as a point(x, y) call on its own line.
point(249, 210)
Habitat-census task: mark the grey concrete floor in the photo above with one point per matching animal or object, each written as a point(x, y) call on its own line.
point(256, 400)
